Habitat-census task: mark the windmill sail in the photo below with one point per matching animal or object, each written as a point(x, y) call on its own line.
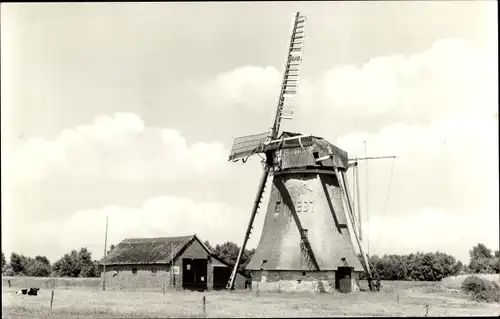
point(290, 82)
point(247, 145)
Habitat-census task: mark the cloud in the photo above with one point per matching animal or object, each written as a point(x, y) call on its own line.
point(431, 229)
point(452, 75)
point(250, 87)
point(157, 217)
point(434, 109)
point(444, 188)
point(116, 147)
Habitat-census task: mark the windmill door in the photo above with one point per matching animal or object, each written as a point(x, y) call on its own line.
point(343, 282)
point(194, 274)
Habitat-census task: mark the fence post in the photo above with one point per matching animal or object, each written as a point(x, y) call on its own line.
point(51, 298)
point(427, 309)
point(204, 309)
point(9, 283)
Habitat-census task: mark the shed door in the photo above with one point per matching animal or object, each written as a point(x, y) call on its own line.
point(194, 274)
point(221, 277)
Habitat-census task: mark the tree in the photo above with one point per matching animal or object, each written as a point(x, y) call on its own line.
point(229, 253)
point(4, 261)
point(67, 266)
point(419, 266)
point(111, 248)
point(42, 259)
point(86, 264)
point(207, 243)
point(458, 269)
point(76, 264)
point(480, 251)
point(494, 264)
point(481, 259)
point(18, 264)
point(38, 268)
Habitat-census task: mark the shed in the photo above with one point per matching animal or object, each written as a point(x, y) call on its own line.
point(182, 262)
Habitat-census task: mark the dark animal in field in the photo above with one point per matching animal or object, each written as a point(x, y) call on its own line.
point(29, 292)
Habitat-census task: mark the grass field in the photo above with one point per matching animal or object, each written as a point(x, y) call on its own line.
point(394, 299)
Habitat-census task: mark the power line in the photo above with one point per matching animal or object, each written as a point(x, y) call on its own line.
point(366, 203)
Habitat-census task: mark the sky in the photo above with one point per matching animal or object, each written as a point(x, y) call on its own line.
point(129, 111)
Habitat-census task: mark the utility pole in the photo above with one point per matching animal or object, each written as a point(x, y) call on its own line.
point(104, 259)
point(172, 265)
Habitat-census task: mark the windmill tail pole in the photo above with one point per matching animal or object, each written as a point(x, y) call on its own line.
point(256, 204)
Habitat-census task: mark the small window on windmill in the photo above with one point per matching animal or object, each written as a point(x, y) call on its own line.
point(262, 264)
point(153, 271)
point(278, 158)
point(315, 155)
point(304, 233)
point(134, 271)
point(277, 208)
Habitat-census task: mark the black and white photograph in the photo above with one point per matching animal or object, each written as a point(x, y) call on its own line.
point(226, 159)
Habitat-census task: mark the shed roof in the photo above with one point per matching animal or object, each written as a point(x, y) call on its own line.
point(157, 250)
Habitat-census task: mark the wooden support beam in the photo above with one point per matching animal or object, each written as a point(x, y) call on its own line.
point(365, 263)
point(371, 158)
point(258, 198)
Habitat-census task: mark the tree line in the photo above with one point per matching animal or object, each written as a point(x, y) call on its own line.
point(418, 266)
point(435, 266)
point(76, 263)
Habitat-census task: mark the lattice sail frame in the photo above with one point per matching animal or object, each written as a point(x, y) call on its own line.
point(251, 144)
point(247, 145)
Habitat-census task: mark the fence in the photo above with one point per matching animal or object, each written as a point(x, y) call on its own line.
point(47, 282)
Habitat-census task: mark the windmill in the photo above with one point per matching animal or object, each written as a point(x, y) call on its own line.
point(305, 234)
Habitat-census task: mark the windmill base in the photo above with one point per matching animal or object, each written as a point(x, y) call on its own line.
point(302, 281)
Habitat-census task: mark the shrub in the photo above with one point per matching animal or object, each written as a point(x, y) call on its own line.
point(474, 284)
point(492, 295)
point(8, 271)
point(481, 289)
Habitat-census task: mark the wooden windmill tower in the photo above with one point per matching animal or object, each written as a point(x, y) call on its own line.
point(305, 237)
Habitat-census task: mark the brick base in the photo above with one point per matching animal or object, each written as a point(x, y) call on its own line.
point(297, 281)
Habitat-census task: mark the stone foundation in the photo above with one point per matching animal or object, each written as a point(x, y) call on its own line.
point(297, 281)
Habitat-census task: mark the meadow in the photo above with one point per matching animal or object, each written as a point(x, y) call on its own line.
point(82, 298)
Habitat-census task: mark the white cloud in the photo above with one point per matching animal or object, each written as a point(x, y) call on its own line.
point(247, 86)
point(444, 193)
point(250, 87)
point(117, 147)
point(452, 75)
point(156, 217)
point(440, 104)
